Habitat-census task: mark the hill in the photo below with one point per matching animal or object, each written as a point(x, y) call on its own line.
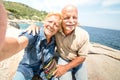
point(22, 11)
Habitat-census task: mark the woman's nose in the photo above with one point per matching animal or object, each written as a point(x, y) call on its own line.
point(52, 25)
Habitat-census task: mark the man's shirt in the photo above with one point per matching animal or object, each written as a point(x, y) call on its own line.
point(73, 45)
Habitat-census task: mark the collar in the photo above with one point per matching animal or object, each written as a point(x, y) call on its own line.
point(43, 36)
point(73, 33)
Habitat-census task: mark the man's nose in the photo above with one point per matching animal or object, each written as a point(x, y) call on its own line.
point(71, 19)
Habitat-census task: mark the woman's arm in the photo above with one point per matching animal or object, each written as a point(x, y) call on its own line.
point(12, 45)
point(3, 24)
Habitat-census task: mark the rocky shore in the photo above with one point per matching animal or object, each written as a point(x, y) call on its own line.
point(102, 62)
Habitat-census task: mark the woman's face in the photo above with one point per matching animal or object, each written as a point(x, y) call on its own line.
point(51, 25)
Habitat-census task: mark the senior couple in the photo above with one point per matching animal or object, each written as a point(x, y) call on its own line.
point(61, 32)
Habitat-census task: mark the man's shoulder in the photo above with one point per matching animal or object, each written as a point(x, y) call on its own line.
point(81, 33)
point(80, 30)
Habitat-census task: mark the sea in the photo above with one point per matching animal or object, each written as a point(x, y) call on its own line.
point(108, 37)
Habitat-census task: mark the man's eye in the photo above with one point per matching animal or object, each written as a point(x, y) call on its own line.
point(74, 17)
point(66, 18)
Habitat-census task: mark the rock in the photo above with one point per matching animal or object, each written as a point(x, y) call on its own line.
point(8, 66)
point(14, 24)
point(102, 62)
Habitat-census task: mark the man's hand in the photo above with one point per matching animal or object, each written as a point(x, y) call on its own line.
point(33, 29)
point(61, 69)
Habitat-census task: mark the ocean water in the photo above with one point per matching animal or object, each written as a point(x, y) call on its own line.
point(106, 37)
point(103, 36)
point(24, 25)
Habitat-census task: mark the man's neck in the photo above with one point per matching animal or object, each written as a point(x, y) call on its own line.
point(67, 32)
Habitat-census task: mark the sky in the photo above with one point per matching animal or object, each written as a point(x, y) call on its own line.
point(93, 13)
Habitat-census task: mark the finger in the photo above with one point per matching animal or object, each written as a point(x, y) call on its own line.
point(37, 30)
point(57, 65)
point(34, 32)
point(28, 30)
point(56, 76)
point(54, 72)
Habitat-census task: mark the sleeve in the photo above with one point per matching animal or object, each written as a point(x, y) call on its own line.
point(84, 47)
point(30, 37)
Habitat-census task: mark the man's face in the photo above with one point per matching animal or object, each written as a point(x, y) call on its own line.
point(70, 19)
point(51, 25)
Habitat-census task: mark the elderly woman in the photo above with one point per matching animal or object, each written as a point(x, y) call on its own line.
point(35, 46)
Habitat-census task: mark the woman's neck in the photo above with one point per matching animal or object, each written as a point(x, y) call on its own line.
point(48, 39)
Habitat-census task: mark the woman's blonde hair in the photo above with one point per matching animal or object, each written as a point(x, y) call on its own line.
point(55, 14)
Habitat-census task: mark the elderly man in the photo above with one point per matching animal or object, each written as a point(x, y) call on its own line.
point(72, 45)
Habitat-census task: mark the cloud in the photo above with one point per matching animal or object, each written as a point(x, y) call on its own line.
point(58, 4)
point(109, 12)
point(49, 5)
point(89, 6)
point(107, 3)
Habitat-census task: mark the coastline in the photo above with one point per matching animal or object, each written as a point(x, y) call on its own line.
point(102, 61)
